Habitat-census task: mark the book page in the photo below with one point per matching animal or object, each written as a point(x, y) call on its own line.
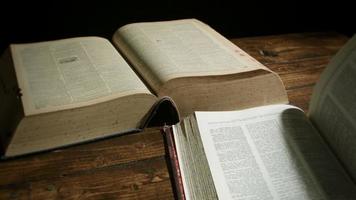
point(270, 152)
point(333, 108)
point(68, 73)
point(161, 51)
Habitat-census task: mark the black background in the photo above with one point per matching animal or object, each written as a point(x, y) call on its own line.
point(33, 21)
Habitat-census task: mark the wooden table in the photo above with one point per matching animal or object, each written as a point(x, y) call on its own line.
point(134, 166)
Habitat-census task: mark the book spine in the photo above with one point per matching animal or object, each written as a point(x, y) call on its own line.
point(11, 110)
point(173, 163)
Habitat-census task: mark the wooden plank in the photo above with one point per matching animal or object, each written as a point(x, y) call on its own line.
point(109, 152)
point(300, 97)
point(292, 47)
point(301, 78)
point(147, 179)
point(299, 59)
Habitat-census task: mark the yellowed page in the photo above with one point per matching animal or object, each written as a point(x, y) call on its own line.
point(230, 92)
point(162, 51)
point(70, 73)
point(333, 107)
point(57, 129)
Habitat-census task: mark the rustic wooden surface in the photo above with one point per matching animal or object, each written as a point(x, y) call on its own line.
point(134, 166)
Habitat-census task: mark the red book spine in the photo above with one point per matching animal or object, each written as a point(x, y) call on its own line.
point(173, 163)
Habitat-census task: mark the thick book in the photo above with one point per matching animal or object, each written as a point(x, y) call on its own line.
point(274, 151)
point(63, 92)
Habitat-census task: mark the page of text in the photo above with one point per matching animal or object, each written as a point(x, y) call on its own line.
point(333, 107)
point(180, 48)
point(72, 71)
point(270, 152)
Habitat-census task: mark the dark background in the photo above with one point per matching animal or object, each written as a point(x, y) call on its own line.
point(33, 21)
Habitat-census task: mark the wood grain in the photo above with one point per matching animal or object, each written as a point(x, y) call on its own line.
point(134, 166)
point(109, 152)
point(299, 59)
point(144, 179)
point(292, 47)
point(127, 167)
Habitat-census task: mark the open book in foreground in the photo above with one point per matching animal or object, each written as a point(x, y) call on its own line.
point(63, 92)
point(275, 151)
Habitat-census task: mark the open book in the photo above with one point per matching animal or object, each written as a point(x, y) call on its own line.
point(62, 92)
point(275, 151)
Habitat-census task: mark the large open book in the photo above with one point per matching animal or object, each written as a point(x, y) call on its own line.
point(275, 151)
point(67, 91)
